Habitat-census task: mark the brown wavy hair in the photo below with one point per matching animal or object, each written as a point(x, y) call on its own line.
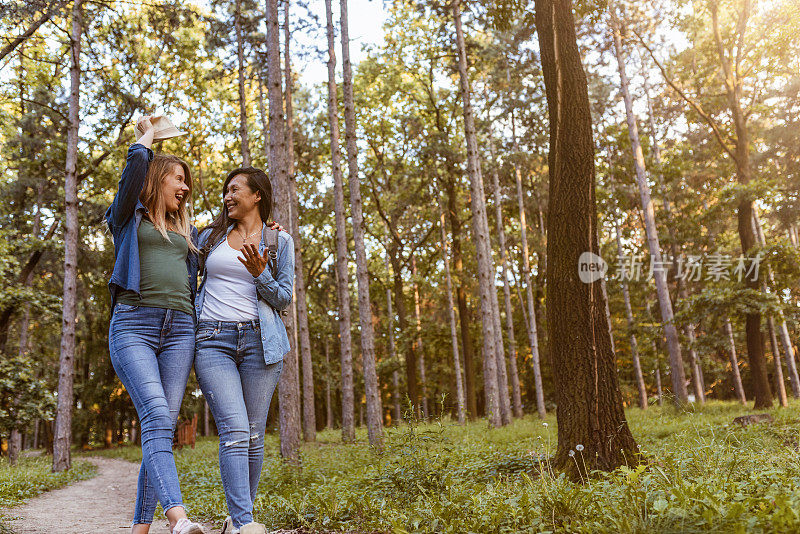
point(257, 180)
point(153, 199)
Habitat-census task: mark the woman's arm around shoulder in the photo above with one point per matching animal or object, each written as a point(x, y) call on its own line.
point(277, 290)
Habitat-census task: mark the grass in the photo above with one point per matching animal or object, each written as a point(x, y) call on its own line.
point(705, 475)
point(31, 476)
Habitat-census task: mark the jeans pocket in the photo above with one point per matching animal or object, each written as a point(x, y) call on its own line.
point(123, 308)
point(205, 334)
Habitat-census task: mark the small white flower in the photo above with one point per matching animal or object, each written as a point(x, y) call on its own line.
point(579, 447)
point(545, 425)
point(571, 453)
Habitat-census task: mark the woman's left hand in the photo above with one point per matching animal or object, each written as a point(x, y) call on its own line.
point(253, 261)
point(275, 226)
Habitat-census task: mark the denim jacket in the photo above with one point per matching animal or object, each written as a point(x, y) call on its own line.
point(123, 219)
point(274, 293)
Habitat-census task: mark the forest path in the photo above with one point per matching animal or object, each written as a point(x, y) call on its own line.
point(101, 504)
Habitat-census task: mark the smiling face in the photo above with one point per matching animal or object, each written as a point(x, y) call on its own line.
point(240, 199)
point(174, 189)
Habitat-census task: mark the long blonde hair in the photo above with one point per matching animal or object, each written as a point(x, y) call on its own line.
point(152, 198)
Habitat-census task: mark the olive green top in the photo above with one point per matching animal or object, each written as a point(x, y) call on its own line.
point(164, 280)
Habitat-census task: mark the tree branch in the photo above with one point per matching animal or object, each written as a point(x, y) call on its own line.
point(706, 117)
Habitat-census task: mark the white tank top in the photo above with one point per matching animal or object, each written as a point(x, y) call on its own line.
point(230, 291)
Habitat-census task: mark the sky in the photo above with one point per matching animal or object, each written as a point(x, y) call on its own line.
point(366, 19)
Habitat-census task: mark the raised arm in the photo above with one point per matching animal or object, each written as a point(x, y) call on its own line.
point(132, 180)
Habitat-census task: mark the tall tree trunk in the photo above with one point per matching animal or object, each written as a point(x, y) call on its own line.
point(371, 389)
point(328, 405)
point(426, 414)
point(397, 400)
point(480, 230)
point(736, 375)
point(658, 384)
point(637, 366)
point(309, 413)
point(780, 387)
point(741, 157)
point(503, 399)
point(533, 331)
point(460, 404)
point(659, 270)
point(461, 297)
point(237, 23)
point(289, 384)
point(342, 280)
point(62, 434)
point(589, 402)
point(501, 238)
point(694, 360)
point(402, 325)
point(782, 328)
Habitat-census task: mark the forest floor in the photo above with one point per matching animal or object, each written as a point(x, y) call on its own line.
point(702, 473)
point(104, 503)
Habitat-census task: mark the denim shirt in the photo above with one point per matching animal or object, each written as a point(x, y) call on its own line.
point(123, 218)
point(274, 293)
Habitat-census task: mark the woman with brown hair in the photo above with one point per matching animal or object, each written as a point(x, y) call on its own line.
point(247, 281)
point(152, 331)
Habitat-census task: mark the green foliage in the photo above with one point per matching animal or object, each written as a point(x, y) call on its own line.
point(702, 474)
point(23, 397)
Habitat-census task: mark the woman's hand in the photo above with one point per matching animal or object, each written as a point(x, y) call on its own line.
point(253, 261)
point(148, 131)
point(275, 226)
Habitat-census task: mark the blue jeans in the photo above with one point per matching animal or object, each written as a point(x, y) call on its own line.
point(152, 351)
point(238, 386)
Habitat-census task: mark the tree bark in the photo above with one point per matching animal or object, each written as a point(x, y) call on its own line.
point(461, 297)
point(533, 331)
point(780, 387)
point(328, 404)
point(62, 434)
point(694, 360)
point(782, 328)
point(736, 375)
point(237, 23)
point(501, 238)
point(397, 400)
point(659, 272)
point(589, 403)
point(342, 280)
point(402, 324)
point(480, 230)
point(426, 414)
point(309, 413)
point(371, 388)
point(460, 404)
point(637, 366)
point(289, 384)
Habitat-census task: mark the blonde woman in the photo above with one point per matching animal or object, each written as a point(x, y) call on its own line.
point(152, 332)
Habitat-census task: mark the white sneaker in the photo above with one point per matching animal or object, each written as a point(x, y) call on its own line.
point(184, 526)
point(228, 528)
point(253, 528)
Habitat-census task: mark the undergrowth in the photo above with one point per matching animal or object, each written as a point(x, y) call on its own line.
point(704, 474)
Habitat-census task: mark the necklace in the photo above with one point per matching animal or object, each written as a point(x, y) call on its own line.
point(245, 238)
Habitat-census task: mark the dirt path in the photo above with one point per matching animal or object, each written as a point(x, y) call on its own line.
point(101, 504)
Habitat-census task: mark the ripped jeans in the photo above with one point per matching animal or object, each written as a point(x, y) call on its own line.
point(238, 386)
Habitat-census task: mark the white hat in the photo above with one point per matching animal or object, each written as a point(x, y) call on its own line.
point(164, 129)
